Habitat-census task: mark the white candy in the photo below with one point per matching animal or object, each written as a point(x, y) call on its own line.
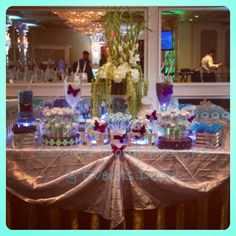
point(74, 125)
point(47, 113)
point(68, 127)
point(57, 125)
point(54, 111)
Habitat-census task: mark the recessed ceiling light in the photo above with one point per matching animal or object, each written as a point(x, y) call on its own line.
point(196, 16)
point(190, 19)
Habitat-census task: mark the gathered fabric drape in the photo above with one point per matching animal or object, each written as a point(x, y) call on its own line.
point(108, 187)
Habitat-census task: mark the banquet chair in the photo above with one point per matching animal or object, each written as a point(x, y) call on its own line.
point(185, 75)
point(196, 76)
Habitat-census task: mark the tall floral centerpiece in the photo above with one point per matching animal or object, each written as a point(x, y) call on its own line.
point(122, 72)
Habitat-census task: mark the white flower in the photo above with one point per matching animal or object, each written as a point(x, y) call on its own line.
point(131, 53)
point(118, 77)
point(120, 72)
point(102, 72)
point(137, 57)
point(134, 75)
point(134, 59)
point(123, 68)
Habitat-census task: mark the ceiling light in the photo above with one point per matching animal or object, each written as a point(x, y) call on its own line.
point(196, 16)
point(86, 22)
point(190, 19)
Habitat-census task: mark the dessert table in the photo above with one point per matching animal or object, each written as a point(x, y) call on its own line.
point(168, 189)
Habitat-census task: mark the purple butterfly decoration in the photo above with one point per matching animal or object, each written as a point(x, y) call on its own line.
point(72, 91)
point(100, 128)
point(142, 130)
point(121, 138)
point(153, 116)
point(191, 118)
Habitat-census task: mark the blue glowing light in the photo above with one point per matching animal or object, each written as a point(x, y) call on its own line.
point(25, 123)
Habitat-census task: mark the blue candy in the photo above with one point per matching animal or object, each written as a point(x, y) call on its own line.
point(206, 128)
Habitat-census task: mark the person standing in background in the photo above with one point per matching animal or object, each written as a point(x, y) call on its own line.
point(209, 67)
point(83, 66)
point(61, 65)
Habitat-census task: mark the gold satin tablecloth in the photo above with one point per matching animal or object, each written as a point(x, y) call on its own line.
point(148, 188)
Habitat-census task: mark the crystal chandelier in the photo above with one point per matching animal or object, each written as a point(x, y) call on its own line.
point(86, 22)
point(91, 29)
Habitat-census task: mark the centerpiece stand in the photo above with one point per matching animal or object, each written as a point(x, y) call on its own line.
point(119, 88)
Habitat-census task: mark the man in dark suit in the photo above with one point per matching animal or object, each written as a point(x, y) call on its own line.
point(84, 66)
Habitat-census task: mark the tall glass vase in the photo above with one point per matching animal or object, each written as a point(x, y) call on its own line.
point(164, 91)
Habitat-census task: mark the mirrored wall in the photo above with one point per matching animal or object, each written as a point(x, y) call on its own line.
point(188, 34)
point(45, 43)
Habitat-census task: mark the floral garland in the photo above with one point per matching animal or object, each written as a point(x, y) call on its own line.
point(123, 62)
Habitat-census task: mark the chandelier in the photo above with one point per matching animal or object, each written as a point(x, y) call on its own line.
point(90, 29)
point(86, 22)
